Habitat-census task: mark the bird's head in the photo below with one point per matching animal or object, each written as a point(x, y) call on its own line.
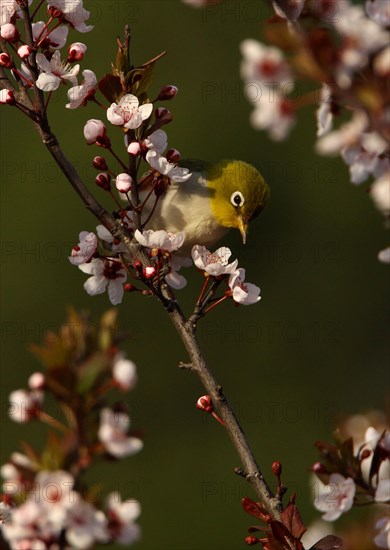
point(238, 193)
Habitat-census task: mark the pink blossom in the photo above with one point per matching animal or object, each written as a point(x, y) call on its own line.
point(83, 252)
point(94, 131)
point(128, 112)
point(336, 497)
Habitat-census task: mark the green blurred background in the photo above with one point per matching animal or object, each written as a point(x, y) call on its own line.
point(313, 350)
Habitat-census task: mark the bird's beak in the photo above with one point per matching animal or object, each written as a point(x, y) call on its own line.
point(243, 227)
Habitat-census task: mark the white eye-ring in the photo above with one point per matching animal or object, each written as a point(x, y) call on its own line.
point(237, 199)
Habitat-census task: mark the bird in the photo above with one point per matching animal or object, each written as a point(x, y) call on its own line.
point(217, 197)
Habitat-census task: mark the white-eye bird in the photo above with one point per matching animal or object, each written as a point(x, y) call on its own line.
point(216, 197)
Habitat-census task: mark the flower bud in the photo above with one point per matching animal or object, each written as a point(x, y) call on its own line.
point(163, 115)
point(7, 97)
point(123, 182)
point(94, 131)
point(173, 155)
point(103, 180)
point(6, 60)
point(37, 381)
point(76, 51)
point(167, 93)
point(149, 272)
point(128, 287)
point(9, 32)
point(251, 541)
point(134, 148)
point(100, 163)
point(24, 51)
point(204, 403)
point(319, 468)
point(365, 454)
point(277, 468)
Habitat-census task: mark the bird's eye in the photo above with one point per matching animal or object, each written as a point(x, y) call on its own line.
point(237, 198)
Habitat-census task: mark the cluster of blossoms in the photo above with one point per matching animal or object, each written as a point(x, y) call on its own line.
point(46, 504)
point(343, 48)
point(355, 471)
point(130, 110)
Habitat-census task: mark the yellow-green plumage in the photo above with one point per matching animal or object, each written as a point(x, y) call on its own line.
point(202, 206)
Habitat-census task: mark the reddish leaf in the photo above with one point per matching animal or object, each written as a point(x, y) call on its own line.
point(111, 87)
point(329, 542)
point(253, 508)
point(292, 520)
point(282, 539)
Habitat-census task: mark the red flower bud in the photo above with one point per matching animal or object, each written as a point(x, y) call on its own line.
point(6, 60)
point(128, 287)
point(277, 468)
point(204, 404)
point(167, 93)
point(173, 155)
point(7, 97)
point(251, 541)
point(103, 180)
point(100, 163)
point(163, 115)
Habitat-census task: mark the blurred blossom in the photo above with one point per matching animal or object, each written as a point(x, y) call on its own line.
point(336, 497)
point(113, 434)
point(382, 539)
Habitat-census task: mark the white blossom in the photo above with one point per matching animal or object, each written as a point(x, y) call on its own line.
point(380, 193)
point(242, 292)
point(166, 168)
point(324, 111)
point(273, 114)
point(107, 274)
point(157, 140)
point(83, 252)
point(379, 11)
point(124, 372)
point(214, 263)
point(382, 539)
point(56, 38)
point(159, 239)
point(264, 64)
point(54, 72)
point(85, 525)
point(73, 12)
point(25, 405)
point(121, 519)
point(384, 255)
point(79, 94)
